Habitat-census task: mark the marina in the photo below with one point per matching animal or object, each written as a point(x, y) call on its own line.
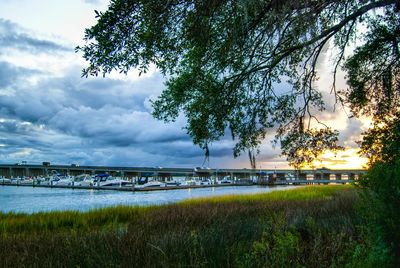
point(150, 178)
point(35, 188)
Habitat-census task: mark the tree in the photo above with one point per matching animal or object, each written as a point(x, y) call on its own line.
point(250, 66)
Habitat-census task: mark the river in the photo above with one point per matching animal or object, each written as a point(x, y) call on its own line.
point(35, 199)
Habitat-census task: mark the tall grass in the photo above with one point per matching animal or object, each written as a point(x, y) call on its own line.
point(309, 226)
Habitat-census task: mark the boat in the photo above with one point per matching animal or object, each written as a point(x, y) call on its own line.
point(143, 180)
point(55, 177)
point(290, 177)
point(83, 180)
point(173, 182)
point(205, 182)
point(104, 180)
point(64, 181)
point(189, 183)
point(151, 184)
point(41, 180)
point(225, 180)
point(25, 181)
point(5, 181)
point(115, 182)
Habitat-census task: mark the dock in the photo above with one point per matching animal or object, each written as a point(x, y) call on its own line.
point(236, 177)
point(178, 187)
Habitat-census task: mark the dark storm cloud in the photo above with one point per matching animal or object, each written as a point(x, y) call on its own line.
point(71, 95)
point(20, 100)
point(12, 127)
point(176, 149)
point(115, 126)
point(12, 36)
point(97, 92)
point(10, 74)
point(110, 114)
point(29, 142)
point(100, 118)
point(100, 113)
point(18, 139)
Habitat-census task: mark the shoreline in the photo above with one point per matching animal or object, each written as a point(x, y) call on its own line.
point(158, 188)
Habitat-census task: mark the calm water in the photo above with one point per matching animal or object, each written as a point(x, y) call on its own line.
point(30, 200)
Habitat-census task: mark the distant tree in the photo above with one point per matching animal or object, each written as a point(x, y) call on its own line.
point(251, 66)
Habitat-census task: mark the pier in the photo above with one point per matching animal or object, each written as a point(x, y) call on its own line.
point(217, 177)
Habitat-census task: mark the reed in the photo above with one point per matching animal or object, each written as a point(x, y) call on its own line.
point(309, 226)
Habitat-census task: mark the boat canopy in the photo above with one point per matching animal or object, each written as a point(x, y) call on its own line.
point(104, 175)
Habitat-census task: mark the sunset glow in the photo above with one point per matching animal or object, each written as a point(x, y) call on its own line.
point(347, 159)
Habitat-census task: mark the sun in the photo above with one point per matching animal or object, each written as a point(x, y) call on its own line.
point(346, 159)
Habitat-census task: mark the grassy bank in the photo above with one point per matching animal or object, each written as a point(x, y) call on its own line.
point(309, 226)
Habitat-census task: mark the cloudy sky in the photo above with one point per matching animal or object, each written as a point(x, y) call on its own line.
point(49, 113)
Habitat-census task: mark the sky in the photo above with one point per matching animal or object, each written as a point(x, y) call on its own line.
point(48, 112)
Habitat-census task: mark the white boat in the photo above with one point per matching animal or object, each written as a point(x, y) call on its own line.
point(290, 177)
point(173, 182)
point(84, 180)
point(114, 182)
point(45, 180)
point(41, 180)
point(64, 181)
point(103, 180)
point(189, 183)
point(5, 181)
point(205, 182)
point(55, 177)
point(25, 181)
point(225, 181)
point(152, 184)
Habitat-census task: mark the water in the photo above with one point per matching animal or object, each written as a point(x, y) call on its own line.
point(31, 200)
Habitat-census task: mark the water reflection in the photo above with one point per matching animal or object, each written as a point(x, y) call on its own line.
point(29, 199)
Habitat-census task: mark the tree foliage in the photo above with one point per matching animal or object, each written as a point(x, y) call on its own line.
point(374, 69)
point(249, 67)
point(380, 207)
point(374, 90)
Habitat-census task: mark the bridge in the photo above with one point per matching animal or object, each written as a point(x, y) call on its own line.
point(168, 173)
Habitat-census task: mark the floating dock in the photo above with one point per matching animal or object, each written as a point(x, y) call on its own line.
point(140, 189)
point(238, 177)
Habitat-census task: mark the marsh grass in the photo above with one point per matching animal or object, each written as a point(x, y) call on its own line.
point(308, 226)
